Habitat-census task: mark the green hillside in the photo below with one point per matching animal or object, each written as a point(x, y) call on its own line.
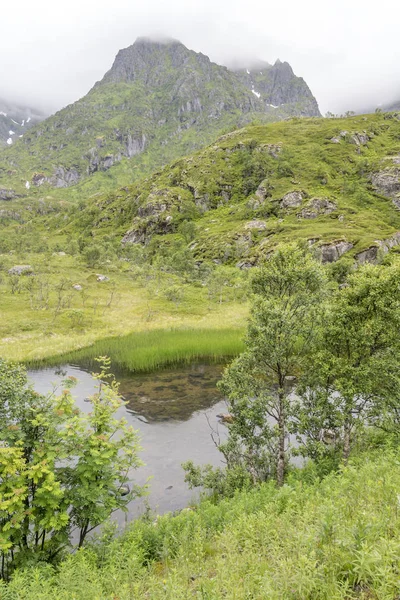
point(176, 247)
point(159, 101)
point(332, 182)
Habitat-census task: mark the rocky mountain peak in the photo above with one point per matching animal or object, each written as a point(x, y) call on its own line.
point(150, 61)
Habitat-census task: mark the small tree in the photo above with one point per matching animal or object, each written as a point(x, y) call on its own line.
point(283, 330)
point(354, 378)
point(61, 470)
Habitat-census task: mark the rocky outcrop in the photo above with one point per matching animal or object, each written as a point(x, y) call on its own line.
point(317, 207)
point(7, 194)
point(382, 247)
point(332, 252)
point(21, 270)
point(387, 183)
point(10, 214)
point(292, 200)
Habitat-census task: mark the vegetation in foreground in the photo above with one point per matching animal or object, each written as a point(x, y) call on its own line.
point(62, 472)
point(321, 363)
point(336, 539)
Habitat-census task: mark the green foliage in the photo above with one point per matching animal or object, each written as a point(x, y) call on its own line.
point(353, 381)
point(318, 540)
point(283, 330)
point(61, 470)
point(150, 350)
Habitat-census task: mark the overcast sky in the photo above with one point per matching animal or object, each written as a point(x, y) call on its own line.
point(348, 51)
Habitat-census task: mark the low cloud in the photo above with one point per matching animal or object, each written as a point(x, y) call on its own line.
point(348, 53)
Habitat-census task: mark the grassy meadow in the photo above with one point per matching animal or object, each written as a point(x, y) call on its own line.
point(135, 322)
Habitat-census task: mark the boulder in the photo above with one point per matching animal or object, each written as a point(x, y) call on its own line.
point(335, 140)
point(292, 200)
point(387, 183)
point(77, 287)
point(332, 252)
point(21, 270)
point(7, 194)
point(100, 277)
point(244, 265)
point(317, 207)
point(359, 139)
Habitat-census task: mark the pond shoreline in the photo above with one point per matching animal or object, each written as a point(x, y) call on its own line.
point(150, 351)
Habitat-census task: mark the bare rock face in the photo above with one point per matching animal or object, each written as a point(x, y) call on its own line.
point(332, 252)
point(371, 254)
point(387, 183)
point(292, 200)
point(317, 207)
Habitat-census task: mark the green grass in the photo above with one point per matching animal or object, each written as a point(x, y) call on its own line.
point(338, 539)
point(151, 350)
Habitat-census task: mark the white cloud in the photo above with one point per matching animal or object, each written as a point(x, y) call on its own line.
point(348, 52)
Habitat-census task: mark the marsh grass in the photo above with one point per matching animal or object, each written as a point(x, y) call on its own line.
point(149, 350)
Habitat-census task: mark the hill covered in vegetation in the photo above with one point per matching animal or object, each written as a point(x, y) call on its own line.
point(176, 248)
point(334, 183)
point(159, 101)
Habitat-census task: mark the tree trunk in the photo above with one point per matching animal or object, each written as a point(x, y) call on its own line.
point(280, 467)
point(346, 443)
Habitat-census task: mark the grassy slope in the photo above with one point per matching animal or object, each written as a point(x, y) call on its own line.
point(335, 540)
point(235, 165)
point(30, 332)
point(227, 174)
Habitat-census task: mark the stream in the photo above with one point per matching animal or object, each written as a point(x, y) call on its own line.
point(173, 410)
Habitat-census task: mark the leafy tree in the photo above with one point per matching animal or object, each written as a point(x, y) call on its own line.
point(354, 378)
point(92, 254)
point(61, 470)
point(283, 329)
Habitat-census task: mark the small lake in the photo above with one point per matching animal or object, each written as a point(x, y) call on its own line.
point(173, 410)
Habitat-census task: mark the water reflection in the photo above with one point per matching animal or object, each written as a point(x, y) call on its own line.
point(174, 394)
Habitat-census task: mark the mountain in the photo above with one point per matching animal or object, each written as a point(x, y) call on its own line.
point(334, 183)
point(159, 101)
point(15, 120)
point(393, 106)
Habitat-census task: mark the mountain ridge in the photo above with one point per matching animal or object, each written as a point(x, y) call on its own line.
point(158, 101)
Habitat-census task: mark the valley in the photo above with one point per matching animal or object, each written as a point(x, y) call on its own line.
point(199, 339)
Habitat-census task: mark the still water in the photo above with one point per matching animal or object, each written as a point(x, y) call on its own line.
point(173, 410)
